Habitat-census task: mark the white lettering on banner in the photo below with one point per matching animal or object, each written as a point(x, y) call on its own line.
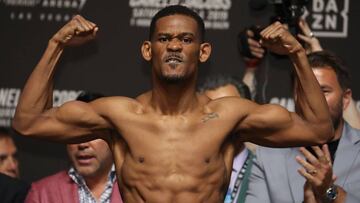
point(26, 3)
point(318, 5)
point(195, 4)
point(214, 12)
point(62, 96)
point(9, 98)
point(5, 122)
point(44, 10)
point(329, 18)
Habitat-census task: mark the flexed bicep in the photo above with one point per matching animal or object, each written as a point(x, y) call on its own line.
point(74, 121)
point(274, 126)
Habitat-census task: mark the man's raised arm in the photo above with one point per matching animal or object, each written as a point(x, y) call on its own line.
point(35, 115)
point(273, 125)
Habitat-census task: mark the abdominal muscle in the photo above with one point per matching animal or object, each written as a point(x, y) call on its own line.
point(181, 179)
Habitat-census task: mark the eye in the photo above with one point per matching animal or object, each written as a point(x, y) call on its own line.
point(187, 40)
point(163, 39)
point(325, 91)
point(3, 157)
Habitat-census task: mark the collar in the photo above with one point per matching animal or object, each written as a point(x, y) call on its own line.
point(78, 179)
point(240, 159)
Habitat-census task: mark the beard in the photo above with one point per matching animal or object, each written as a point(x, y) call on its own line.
point(336, 114)
point(172, 79)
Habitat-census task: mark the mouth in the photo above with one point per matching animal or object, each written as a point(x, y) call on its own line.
point(173, 59)
point(84, 159)
point(11, 173)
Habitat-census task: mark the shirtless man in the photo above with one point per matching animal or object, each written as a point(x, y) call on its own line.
point(174, 145)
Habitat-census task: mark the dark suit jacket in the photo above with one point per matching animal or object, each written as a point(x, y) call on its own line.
point(61, 188)
point(12, 190)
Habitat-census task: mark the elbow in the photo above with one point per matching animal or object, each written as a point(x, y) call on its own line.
point(20, 126)
point(326, 133)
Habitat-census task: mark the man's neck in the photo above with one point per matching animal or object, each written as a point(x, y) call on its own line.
point(97, 183)
point(174, 99)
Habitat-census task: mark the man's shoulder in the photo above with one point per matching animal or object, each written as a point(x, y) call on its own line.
point(52, 180)
point(350, 133)
point(115, 100)
point(353, 130)
point(267, 152)
point(117, 103)
point(9, 182)
point(54, 188)
point(230, 104)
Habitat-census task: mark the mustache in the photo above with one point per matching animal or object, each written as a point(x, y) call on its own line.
point(173, 55)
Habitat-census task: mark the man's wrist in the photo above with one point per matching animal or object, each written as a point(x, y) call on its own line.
point(300, 50)
point(53, 42)
point(298, 55)
point(331, 194)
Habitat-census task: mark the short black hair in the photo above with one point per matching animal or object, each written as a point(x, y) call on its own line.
point(5, 133)
point(216, 81)
point(181, 10)
point(327, 59)
point(88, 96)
point(322, 59)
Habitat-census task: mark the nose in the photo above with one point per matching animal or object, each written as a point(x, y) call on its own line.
point(12, 165)
point(83, 145)
point(174, 45)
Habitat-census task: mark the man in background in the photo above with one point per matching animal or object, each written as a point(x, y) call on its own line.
point(90, 179)
point(8, 155)
point(12, 190)
point(274, 170)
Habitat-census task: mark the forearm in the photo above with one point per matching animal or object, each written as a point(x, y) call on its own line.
point(310, 101)
point(36, 96)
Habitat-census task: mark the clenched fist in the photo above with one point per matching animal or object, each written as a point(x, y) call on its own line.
point(279, 40)
point(76, 32)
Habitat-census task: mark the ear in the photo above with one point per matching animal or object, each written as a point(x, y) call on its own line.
point(347, 97)
point(146, 50)
point(205, 52)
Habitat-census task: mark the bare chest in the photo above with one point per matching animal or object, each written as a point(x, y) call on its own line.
point(175, 155)
point(196, 134)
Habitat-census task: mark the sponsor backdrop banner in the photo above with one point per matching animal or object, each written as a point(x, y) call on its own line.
point(112, 64)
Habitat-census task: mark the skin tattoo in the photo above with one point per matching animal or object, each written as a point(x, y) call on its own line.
point(210, 116)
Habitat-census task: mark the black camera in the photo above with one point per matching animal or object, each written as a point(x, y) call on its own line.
point(289, 12)
point(285, 11)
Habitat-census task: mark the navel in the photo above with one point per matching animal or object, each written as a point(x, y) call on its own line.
point(207, 160)
point(141, 159)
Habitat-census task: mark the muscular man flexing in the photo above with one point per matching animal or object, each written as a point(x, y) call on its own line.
point(174, 144)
